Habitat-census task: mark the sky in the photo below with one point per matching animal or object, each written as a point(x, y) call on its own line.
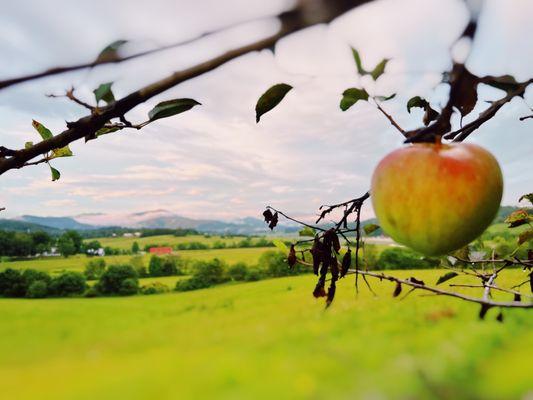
point(215, 161)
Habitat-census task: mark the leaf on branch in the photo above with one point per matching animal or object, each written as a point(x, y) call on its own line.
point(505, 82)
point(62, 152)
point(531, 281)
point(267, 214)
point(270, 99)
point(352, 96)
point(369, 228)
point(106, 130)
point(528, 197)
point(499, 317)
point(274, 221)
point(319, 289)
point(43, 130)
point(463, 95)
point(55, 173)
point(517, 297)
point(316, 252)
point(28, 145)
point(379, 69)
point(429, 113)
point(291, 258)
point(358, 63)
point(397, 290)
point(280, 246)
point(171, 107)
point(104, 92)
point(446, 277)
point(331, 294)
point(483, 310)
point(416, 281)
point(346, 262)
point(416, 101)
point(110, 52)
point(517, 218)
point(385, 98)
point(525, 236)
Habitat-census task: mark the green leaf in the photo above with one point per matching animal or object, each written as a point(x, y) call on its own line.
point(104, 92)
point(528, 197)
point(110, 53)
point(55, 173)
point(62, 152)
point(525, 236)
point(385, 98)
point(517, 218)
point(358, 64)
point(43, 130)
point(270, 99)
point(171, 107)
point(281, 246)
point(370, 228)
point(446, 277)
point(352, 96)
point(106, 130)
point(416, 101)
point(28, 145)
point(379, 69)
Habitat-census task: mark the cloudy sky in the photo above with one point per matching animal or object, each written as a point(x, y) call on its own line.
point(214, 161)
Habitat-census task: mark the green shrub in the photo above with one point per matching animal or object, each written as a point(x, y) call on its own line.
point(12, 283)
point(128, 287)
point(137, 263)
point(32, 275)
point(403, 258)
point(253, 274)
point(111, 280)
point(92, 292)
point(274, 264)
point(238, 271)
point(166, 266)
point(68, 284)
point(154, 288)
point(94, 268)
point(37, 290)
point(206, 274)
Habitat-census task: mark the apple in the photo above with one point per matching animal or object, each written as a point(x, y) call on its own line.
point(435, 197)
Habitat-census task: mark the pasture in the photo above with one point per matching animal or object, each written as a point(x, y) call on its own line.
point(78, 262)
point(264, 340)
point(125, 243)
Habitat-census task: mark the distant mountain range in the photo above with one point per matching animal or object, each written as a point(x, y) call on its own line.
point(147, 219)
point(160, 219)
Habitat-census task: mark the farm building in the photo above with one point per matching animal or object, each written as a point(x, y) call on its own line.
point(160, 250)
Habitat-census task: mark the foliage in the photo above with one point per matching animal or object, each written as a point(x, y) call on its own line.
point(274, 264)
point(37, 290)
point(403, 258)
point(128, 287)
point(94, 268)
point(12, 283)
point(68, 284)
point(70, 243)
point(112, 280)
point(135, 248)
point(154, 288)
point(163, 266)
point(238, 271)
point(206, 274)
point(137, 263)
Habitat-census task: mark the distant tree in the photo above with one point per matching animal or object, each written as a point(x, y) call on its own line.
point(66, 246)
point(68, 284)
point(94, 268)
point(92, 246)
point(118, 279)
point(135, 248)
point(42, 242)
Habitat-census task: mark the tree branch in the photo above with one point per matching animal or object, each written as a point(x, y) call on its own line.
point(291, 22)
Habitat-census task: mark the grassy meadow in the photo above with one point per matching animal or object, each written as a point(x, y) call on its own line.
point(267, 339)
point(125, 243)
point(78, 262)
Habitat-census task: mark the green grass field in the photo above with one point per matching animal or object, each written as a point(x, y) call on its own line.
point(125, 243)
point(265, 340)
point(78, 262)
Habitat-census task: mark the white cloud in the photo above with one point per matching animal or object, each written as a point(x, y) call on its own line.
point(215, 161)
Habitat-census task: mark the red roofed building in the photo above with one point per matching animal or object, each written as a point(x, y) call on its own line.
point(160, 250)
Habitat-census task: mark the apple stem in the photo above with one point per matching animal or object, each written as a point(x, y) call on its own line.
point(438, 140)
